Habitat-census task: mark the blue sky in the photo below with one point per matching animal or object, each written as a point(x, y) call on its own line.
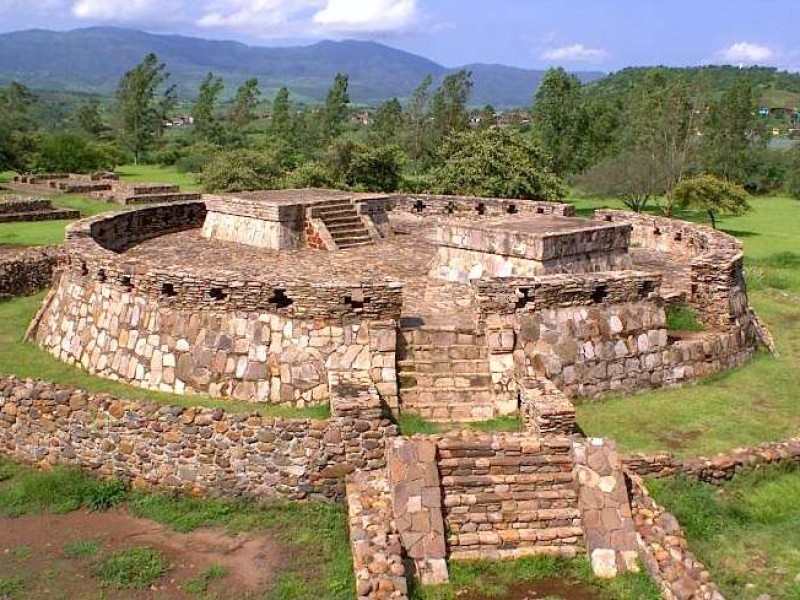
point(579, 34)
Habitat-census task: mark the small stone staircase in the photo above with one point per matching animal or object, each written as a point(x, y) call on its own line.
point(342, 222)
point(444, 374)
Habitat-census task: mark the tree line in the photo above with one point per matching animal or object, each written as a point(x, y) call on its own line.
point(636, 139)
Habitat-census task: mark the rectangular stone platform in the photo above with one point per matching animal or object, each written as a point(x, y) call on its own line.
point(526, 246)
point(20, 209)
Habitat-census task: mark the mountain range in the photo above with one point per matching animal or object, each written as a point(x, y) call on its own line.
point(93, 60)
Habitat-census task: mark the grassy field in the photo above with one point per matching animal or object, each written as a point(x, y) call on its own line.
point(759, 402)
point(747, 534)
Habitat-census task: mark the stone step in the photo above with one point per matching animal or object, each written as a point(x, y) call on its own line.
point(159, 198)
point(443, 337)
point(442, 396)
point(530, 537)
point(343, 226)
point(463, 413)
point(456, 366)
point(442, 353)
point(351, 239)
point(354, 244)
point(467, 381)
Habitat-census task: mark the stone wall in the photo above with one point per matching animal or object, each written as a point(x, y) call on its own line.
point(25, 271)
point(717, 469)
point(200, 450)
point(17, 204)
point(475, 206)
point(544, 408)
point(664, 550)
point(122, 334)
point(508, 496)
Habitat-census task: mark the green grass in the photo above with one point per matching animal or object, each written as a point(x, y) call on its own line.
point(156, 174)
point(135, 567)
point(747, 533)
point(316, 557)
point(81, 549)
point(493, 579)
point(750, 405)
point(199, 586)
point(411, 424)
point(682, 318)
point(28, 360)
point(11, 588)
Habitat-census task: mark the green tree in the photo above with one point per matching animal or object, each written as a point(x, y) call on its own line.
point(17, 128)
point(206, 124)
point(417, 138)
point(67, 152)
point(88, 119)
point(388, 122)
point(631, 176)
point(369, 168)
point(487, 117)
point(280, 124)
point(558, 118)
point(138, 110)
point(449, 104)
point(495, 162)
point(241, 170)
point(711, 195)
point(729, 133)
point(243, 111)
point(335, 111)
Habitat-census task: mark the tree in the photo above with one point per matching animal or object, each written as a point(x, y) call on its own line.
point(711, 194)
point(729, 133)
point(495, 162)
point(558, 118)
point(631, 176)
point(449, 104)
point(335, 111)
point(88, 120)
point(280, 125)
point(487, 117)
point(243, 111)
point(369, 168)
point(417, 128)
point(241, 170)
point(139, 112)
point(388, 122)
point(17, 128)
point(206, 125)
point(67, 152)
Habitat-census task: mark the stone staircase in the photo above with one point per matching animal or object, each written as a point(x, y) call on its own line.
point(342, 222)
point(444, 374)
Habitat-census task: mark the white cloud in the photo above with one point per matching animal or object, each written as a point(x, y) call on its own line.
point(745, 52)
point(254, 15)
point(367, 15)
point(129, 11)
point(575, 53)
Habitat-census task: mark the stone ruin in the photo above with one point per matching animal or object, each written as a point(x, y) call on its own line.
point(18, 209)
point(102, 186)
point(456, 309)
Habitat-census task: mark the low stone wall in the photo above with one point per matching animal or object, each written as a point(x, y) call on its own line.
point(718, 469)
point(664, 550)
point(544, 408)
point(200, 450)
point(25, 271)
point(375, 543)
point(18, 204)
point(476, 206)
point(508, 496)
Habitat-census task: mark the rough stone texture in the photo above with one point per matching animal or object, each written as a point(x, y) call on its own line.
point(200, 450)
point(665, 552)
point(63, 183)
point(437, 205)
point(544, 408)
point(508, 247)
point(718, 469)
point(605, 508)
point(25, 271)
point(509, 495)
point(15, 209)
point(375, 543)
point(417, 504)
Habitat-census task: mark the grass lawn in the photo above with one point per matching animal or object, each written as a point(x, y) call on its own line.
point(156, 174)
point(759, 402)
point(747, 533)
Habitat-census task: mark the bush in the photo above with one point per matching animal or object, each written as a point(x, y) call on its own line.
point(241, 170)
point(71, 153)
point(311, 175)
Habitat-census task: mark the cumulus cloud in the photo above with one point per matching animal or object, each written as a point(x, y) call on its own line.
point(370, 15)
point(256, 15)
point(575, 53)
point(745, 52)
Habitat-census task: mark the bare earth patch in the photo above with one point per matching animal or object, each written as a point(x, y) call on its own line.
point(33, 556)
point(549, 589)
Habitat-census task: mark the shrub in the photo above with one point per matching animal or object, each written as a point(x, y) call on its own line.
point(682, 318)
point(241, 170)
point(311, 175)
point(70, 152)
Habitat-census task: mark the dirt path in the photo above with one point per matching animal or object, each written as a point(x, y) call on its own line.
point(35, 565)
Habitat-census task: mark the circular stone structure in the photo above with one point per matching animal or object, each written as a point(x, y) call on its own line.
point(455, 308)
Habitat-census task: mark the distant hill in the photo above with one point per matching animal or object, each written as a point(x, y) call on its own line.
point(93, 60)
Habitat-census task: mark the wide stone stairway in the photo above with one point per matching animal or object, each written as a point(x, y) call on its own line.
point(444, 373)
point(343, 223)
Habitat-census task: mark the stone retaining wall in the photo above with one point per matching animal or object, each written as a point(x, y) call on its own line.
point(200, 450)
point(25, 271)
point(18, 204)
point(718, 469)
